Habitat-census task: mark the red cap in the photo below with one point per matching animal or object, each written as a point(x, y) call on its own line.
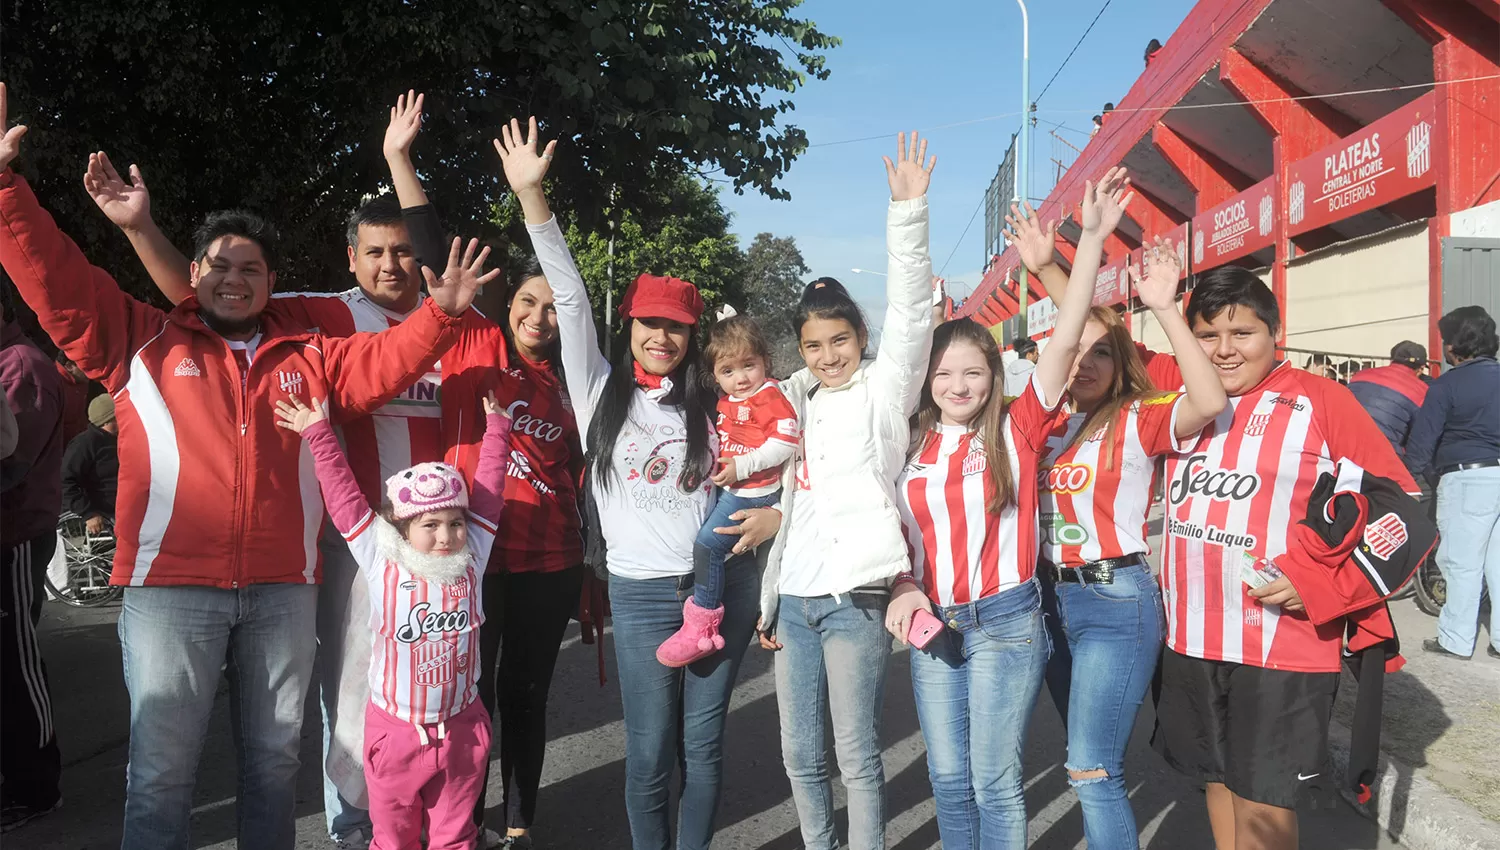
point(656, 297)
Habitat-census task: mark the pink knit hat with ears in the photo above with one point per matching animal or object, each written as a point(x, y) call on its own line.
point(425, 487)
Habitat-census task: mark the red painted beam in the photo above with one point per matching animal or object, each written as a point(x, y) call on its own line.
point(1466, 128)
point(1214, 180)
point(1154, 216)
point(1297, 129)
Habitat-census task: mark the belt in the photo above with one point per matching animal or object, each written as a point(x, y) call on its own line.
point(1093, 572)
point(1460, 467)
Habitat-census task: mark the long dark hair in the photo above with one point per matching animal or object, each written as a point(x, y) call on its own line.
point(827, 299)
point(989, 422)
point(689, 391)
point(521, 269)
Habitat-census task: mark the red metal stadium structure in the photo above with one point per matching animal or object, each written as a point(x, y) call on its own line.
point(1346, 150)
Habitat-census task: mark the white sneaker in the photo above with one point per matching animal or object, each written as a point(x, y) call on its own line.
point(356, 840)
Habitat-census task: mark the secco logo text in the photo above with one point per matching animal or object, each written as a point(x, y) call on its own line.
point(525, 423)
point(1221, 484)
point(1067, 478)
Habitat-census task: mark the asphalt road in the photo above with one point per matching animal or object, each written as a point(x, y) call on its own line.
point(581, 804)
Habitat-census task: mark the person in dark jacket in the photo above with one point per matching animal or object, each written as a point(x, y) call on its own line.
point(1457, 436)
point(91, 468)
point(1393, 394)
point(30, 498)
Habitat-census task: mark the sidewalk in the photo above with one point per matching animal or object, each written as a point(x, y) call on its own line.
point(1441, 736)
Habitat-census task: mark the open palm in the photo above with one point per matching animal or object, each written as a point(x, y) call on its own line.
point(524, 167)
point(1104, 204)
point(1035, 243)
point(406, 122)
point(454, 291)
point(10, 137)
point(127, 205)
point(295, 416)
point(907, 175)
point(1156, 280)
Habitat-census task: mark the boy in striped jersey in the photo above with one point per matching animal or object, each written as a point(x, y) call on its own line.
point(427, 738)
point(1233, 497)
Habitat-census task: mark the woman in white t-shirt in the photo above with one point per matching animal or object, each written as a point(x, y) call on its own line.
point(648, 418)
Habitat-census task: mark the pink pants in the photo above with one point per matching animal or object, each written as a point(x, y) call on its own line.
point(434, 785)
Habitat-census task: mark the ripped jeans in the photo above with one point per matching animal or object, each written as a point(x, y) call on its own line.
point(1107, 639)
point(976, 684)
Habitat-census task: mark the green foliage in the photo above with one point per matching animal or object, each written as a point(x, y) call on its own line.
point(774, 273)
point(281, 106)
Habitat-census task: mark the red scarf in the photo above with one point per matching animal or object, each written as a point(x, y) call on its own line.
point(646, 380)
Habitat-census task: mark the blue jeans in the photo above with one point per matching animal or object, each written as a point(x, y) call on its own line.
point(710, 549)
point(174, 641)
point(340, 571)
point(976, 684)
point(833, 658)
point(1106, 640)
point(675, 717)
point(1468, 516)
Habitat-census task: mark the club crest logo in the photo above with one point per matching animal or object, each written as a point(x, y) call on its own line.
point(1256, 425)
point(1198, 246)
point(433, 663)
point(1419, 149)
point(291, 382)
point(1385, 535)
point(1267, 205)
point(975, 462)
point(1297, 202)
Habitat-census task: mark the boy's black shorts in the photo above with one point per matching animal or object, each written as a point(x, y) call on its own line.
point(1262, 733)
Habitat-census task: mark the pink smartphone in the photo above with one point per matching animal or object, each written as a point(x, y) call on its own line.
point(924, 627)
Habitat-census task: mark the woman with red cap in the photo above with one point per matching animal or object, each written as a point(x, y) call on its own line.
point(648, 417)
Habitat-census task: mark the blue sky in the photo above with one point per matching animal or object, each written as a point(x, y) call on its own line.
point(921, 65)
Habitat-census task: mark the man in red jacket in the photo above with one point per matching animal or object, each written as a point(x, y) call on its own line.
point(218, 512)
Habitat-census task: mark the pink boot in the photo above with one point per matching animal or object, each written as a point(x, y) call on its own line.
point(698, 638)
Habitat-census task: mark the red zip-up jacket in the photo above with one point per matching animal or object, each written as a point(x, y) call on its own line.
point(211, 491)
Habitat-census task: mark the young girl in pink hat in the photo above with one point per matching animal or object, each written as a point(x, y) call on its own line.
point(427, 737)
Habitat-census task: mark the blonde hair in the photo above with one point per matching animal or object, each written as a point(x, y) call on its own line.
point(988, 422)
point(1129, 384)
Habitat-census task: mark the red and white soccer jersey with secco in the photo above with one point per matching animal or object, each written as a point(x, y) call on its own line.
point(961, 553)
point(1235, 493)
point(747, 424)
point(1092, 510)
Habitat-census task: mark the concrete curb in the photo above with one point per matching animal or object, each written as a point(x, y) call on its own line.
point(1414, 810)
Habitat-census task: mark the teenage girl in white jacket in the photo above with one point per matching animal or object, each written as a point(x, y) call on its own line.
point(828, 577)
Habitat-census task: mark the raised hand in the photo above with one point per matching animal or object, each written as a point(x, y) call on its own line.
point(298, 417)
point(907, 176)
point(406, 122)
point(10, 137)
point(1156, 282)
point(454, 291)
point(127, 205)
point(1036, 244)
point(524, 167)
point(1104, 204)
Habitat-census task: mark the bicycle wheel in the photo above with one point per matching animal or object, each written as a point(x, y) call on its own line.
point(1430, 588)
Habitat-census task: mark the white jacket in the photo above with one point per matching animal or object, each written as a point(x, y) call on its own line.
point(855, 436)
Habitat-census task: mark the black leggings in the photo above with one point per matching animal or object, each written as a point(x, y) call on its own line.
point(525, 618)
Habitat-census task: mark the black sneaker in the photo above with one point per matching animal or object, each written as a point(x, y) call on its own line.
point(17, 815)
point(1494, 653)
point(517, 842)
point(1432, 645)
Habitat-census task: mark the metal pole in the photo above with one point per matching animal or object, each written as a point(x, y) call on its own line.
point(1023, 176)
point(609, 292)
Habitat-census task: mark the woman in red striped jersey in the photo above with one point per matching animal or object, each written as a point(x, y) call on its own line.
point(968, 503)
point(1103, 606)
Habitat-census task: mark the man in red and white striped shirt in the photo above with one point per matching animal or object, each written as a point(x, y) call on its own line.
point(1233, 498)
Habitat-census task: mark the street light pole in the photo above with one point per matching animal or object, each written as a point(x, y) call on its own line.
point(1023, 175)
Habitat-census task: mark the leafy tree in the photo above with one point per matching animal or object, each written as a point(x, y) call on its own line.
point(774, 272)
point(280, 105)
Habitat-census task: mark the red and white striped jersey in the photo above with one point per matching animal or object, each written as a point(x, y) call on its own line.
point(1091, 511)
point(408, 429)
point(1236, 492)
point(961, 553)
